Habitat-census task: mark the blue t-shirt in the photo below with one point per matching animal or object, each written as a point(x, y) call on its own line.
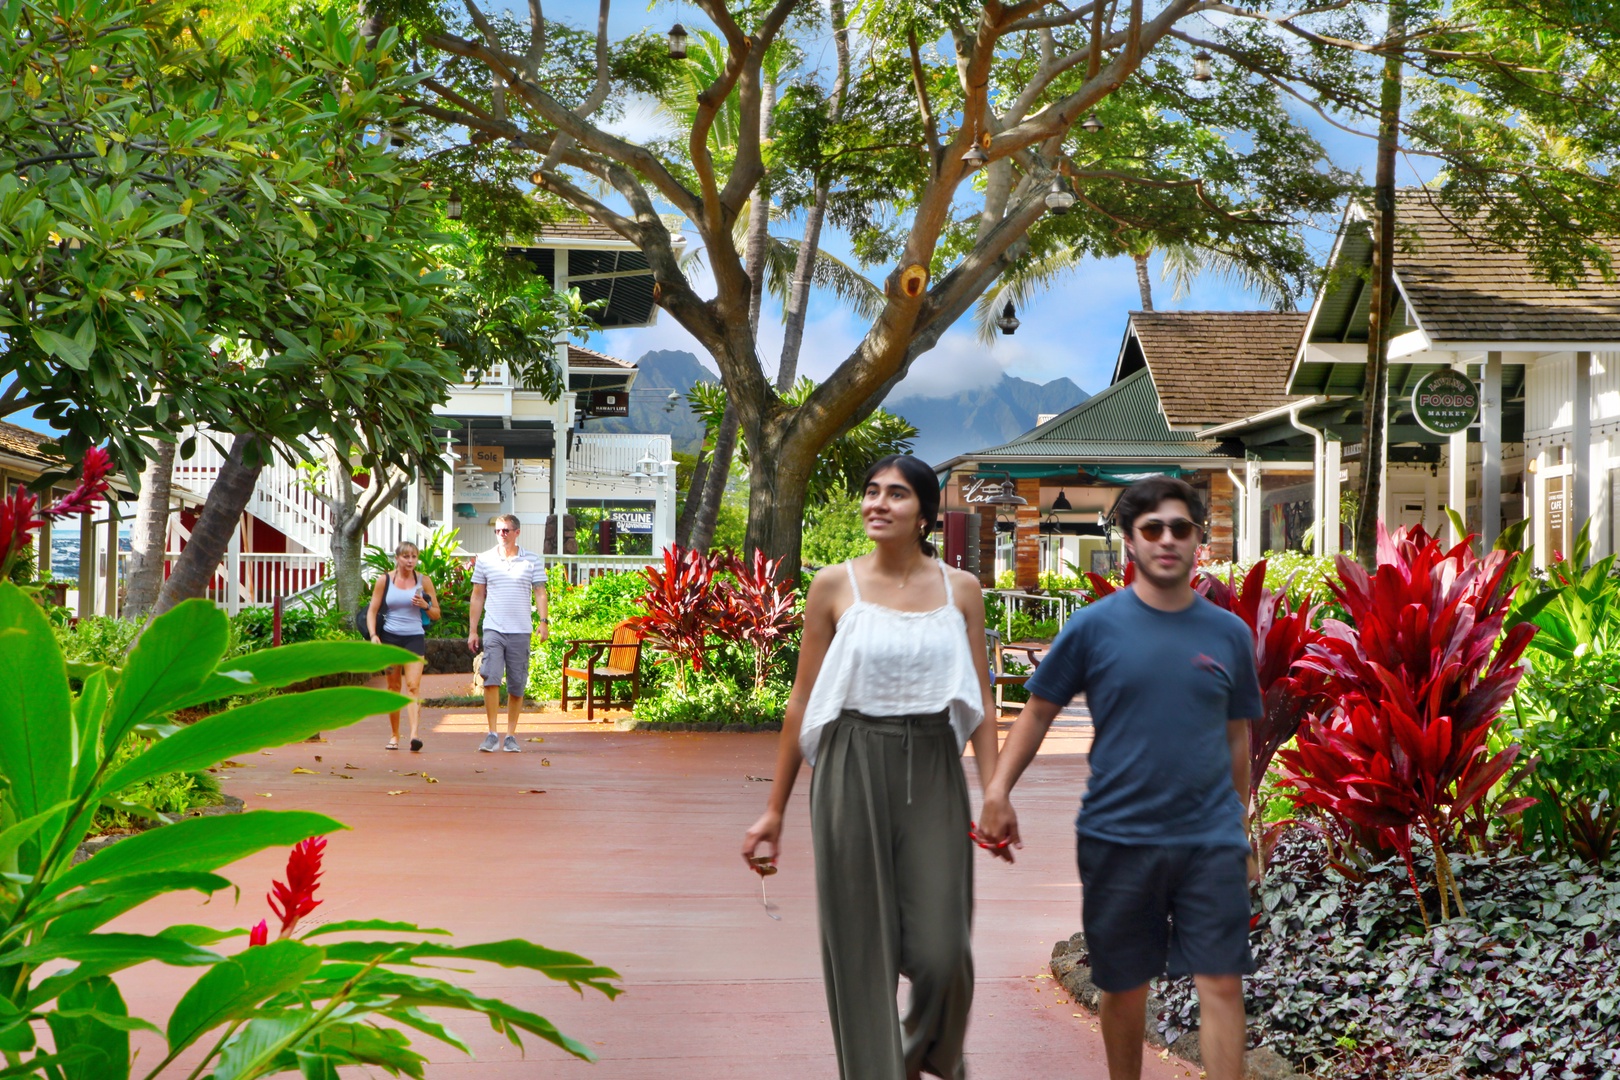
point(1161, 686)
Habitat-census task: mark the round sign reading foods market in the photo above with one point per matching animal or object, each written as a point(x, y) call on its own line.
point(1445, 402)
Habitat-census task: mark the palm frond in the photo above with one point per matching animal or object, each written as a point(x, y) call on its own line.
point(1186, 263)
point(849, 285)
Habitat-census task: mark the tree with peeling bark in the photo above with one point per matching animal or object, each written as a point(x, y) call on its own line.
point(949, 131)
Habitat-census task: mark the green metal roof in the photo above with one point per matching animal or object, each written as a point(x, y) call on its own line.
point(1124, 422)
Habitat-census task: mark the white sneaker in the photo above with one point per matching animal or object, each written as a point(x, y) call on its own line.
point(491, 743)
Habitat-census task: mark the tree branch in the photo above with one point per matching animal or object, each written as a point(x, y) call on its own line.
point(918, 80)
point(599, 91)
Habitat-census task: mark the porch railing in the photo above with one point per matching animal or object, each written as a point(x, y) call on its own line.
point(581, 568)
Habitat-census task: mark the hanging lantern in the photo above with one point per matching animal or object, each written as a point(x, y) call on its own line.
point(452, 207)
point(1008, 323)
point(1060, 505)
point(975, 157)
point(1091, 125)
point(1202, 72)
point(1060, 198)
point(677, 42)
point(670, 402)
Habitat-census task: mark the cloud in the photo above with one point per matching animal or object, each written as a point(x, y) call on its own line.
point(959, 364)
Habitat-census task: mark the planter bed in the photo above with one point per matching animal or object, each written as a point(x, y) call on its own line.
point(630, 723)
point(1350, 987)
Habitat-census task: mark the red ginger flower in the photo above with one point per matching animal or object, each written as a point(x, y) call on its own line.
point(92, 485)
point(17, 523)
point(259, 935)
point(297, 896)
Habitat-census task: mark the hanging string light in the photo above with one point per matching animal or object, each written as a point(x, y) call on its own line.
point(1008, 323)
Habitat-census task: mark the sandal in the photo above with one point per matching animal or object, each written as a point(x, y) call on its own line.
point(392, 744)
point(416, 745)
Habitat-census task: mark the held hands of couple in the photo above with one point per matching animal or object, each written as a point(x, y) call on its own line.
point(997, 830)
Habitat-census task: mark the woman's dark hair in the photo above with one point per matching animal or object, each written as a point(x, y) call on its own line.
point(923, 482)
point(1144, 497)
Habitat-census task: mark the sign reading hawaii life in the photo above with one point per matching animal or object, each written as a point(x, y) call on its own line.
point(1445, 402)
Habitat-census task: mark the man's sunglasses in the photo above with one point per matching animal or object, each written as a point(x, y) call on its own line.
point(1151, 531)
point(505, 530)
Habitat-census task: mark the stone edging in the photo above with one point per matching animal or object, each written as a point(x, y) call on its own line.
point(632, 724)
point(230, 805)
point(1074, 974)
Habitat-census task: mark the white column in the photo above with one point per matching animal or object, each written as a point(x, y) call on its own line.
point(1330, 497)
point(109, 596)
point(1536, 508)
point(1252, 511)
point(448, 519)
point(1490, 462)
point(1581, 450)
point(233, 571)
point(413, 499)
point(87, 565)
point(1457, 476)
point(663, 534)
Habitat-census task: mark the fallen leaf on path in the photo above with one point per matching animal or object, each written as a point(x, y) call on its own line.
point(535, 739)
point(401, 791)
point(317, 757)
point(346, 765)
point(758, 779)
point(262, 794)
point(478, 770)
point(545, 761)
point(307, 772)
point(429, 779)
point(341, 776)
point(404, 773)
point(531, 791)
point(229, 764)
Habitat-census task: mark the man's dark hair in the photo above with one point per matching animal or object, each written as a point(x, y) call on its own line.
point(1144, 496)
point(922, 481)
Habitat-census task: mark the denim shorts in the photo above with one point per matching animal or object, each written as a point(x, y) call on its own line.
point(506, 654)
point(1155, 909)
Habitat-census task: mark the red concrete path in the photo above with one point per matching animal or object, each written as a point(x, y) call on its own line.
point(630, 858)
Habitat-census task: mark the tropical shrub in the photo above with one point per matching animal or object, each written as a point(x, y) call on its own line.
point(833, 531)
point(1567, 718)
point(1348, 985)
point(757, 610)
point(681, 605)
point(96, 639)
point(1282, 631)
point(1416, 686)
point(589, 611)
point(297, 1003)
point(715, 700)
point(254, 628)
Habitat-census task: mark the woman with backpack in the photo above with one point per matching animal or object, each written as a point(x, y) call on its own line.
point(403, 604)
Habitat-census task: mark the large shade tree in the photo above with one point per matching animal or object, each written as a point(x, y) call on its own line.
point(944, 133)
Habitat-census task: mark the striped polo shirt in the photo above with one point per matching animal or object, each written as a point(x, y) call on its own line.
point(508, 584)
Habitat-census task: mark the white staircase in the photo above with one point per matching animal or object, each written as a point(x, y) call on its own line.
point(286, 499)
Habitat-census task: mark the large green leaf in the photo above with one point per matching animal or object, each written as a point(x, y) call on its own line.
point(15, 836)
point(349, 926)
point(414, 991)
point(120, 949)
point(83, 910)
point(566, 967)
point(201, 844)
point(273, 721)
point(170, 660)
point(36, 744)
point(359, 1044)
point(232, 989)
point(270, 669)
point(262, 1037)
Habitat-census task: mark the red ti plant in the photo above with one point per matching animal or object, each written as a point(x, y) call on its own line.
point(681, 605)
point(1417, 683)
point(17, 510)
point(1281, 638)
point(758, 609)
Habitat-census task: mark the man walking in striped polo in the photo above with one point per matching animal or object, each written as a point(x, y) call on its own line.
point(503, 579)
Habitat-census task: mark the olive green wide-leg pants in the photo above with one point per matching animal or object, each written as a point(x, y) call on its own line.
point(894, 886)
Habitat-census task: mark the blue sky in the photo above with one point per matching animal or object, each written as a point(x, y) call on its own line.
point(1074, 330)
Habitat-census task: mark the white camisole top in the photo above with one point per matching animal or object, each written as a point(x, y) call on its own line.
point(886, 662)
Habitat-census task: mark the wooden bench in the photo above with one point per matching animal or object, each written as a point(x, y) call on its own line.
point(998, 666)
point(622, 661)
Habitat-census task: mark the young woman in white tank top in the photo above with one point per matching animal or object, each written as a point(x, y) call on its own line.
point(892, 684)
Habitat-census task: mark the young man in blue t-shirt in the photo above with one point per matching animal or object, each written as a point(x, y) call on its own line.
point(1163, 843)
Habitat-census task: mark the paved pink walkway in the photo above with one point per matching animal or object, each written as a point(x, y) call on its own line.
point(630, 858)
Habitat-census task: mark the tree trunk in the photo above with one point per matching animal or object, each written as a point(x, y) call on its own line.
point(714, 490)
point(1375, 396)
point(1144, 283)
point(149, 538)
point(694, 498)
point(343, 504)
point(221, 515)
point(776, 501)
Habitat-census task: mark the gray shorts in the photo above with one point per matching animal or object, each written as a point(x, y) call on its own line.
point(506, 654)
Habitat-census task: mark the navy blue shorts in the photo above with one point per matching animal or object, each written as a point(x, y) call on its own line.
point(1155, 909)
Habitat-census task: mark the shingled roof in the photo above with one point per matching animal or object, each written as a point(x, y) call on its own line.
point(1463, 289)
point(581, 229)
point(1211, 367)
point(23, 443)
point(590, 358)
